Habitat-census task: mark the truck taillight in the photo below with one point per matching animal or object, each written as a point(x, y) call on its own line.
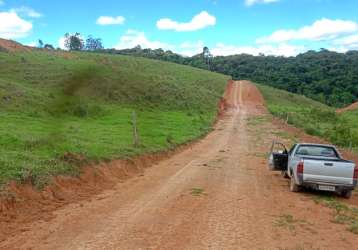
point(300, 167)
point(355, 176)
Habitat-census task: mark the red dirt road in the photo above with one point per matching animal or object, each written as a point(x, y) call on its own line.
point(218, 194)
point(351, 107)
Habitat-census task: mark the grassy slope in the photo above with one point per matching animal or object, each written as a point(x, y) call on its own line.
point(352, 119)
point(82, 103)
point(314, 117)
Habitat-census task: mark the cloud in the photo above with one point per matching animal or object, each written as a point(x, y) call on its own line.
point(190, 48)
point(324, 29)
point(12, 26)
point(27, 11)
point(32, 44)
point(200, 21)
point(108, 20)
point(346, 43)
point(133, 38)
point(252, 2)
point(348, 40)
point(61, 43)
point(283, 49)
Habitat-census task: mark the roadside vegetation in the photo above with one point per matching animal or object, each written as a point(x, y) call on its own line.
point(314, 117)
point(343, 214)
point(60, 110)
point(289, 222)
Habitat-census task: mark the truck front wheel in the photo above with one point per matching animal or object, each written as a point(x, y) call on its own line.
point(293, 186)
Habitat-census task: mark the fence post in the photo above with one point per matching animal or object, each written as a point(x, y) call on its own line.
point(135, 130)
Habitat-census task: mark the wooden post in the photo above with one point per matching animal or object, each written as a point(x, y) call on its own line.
point(135, 130)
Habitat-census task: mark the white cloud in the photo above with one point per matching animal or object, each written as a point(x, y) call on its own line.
point(345, 44)
point(324, 29)
point(280, 50)
point(348, 40)
point(32, 44)
point(27, 11)
point(133, 38)
point(108, 20)
point(252, 2)
point(200, 21)
point(12, 26)
point(61, 43)
point(190, 48)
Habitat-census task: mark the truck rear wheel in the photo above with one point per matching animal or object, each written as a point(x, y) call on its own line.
point(347, 194)
point(293, 186)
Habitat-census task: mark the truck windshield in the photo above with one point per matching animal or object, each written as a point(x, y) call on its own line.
point(315, 150)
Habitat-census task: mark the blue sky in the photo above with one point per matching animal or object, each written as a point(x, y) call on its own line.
point(277, 27)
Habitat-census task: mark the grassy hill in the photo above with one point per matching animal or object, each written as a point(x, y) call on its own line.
point(55, 104)
point(326, 76)
point(314, 117)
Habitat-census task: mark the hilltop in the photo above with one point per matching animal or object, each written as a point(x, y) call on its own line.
point(12, 46)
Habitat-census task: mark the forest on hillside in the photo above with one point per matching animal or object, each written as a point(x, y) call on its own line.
point(325, 76)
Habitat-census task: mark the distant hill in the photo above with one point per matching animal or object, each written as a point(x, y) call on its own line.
point(325, 76)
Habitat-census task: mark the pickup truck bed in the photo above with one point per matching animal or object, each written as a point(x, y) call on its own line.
point(335, 171)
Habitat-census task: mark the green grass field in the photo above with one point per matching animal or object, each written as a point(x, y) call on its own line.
point(55, 103)
point(314, 117)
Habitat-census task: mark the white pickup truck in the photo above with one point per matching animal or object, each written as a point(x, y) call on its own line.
point(316, 166)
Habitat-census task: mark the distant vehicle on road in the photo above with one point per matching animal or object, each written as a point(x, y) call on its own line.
point(316, 166)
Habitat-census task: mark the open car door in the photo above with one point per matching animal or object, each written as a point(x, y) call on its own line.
point(278, 159)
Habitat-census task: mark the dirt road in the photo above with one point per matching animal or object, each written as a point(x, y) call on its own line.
point(216, 195)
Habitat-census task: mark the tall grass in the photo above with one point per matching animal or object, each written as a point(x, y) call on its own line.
point(314, 117)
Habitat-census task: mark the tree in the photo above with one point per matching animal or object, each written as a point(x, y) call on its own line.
point(49, 47)
point(40, 43)
point(93, 44)
point(74, 41)
point(207, 56)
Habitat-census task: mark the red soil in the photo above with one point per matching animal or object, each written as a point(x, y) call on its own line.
point(351, 107)
point(12, 46)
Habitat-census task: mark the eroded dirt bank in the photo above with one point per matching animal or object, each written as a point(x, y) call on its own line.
point(218, 194)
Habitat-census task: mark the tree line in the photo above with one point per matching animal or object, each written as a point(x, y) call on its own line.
point(76, 42)
point(325, 76)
